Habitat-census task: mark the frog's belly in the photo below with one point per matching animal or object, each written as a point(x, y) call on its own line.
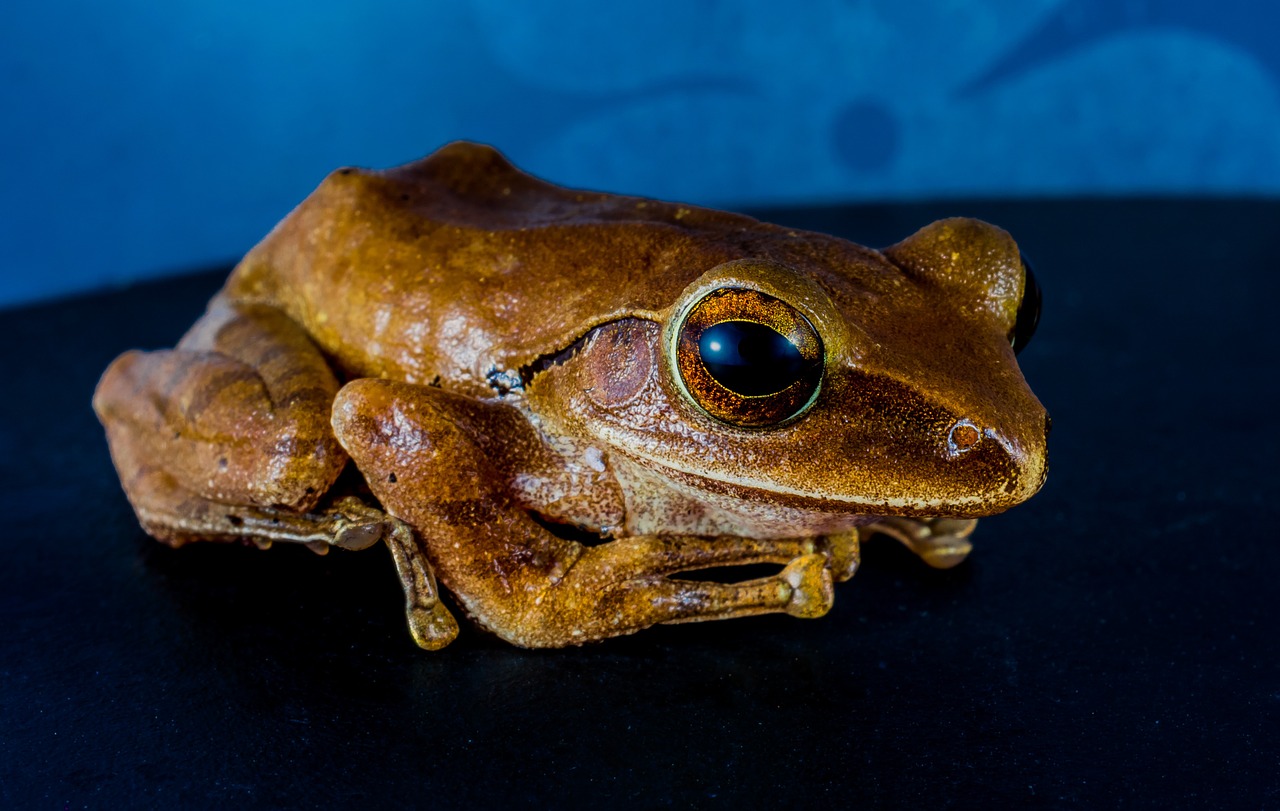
point(656, 504)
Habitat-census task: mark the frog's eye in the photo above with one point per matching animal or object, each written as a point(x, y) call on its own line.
point(748, 359)
point(1024, 326)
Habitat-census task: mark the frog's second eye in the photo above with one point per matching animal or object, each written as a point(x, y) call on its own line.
point(1028, 309)
point(748, 359)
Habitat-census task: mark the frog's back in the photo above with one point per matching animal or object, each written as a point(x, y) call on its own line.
point(462, 270)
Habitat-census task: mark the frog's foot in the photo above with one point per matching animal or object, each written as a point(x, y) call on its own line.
point(430, 623)
point(940, 542)
point(843, 551)
point(348, 523)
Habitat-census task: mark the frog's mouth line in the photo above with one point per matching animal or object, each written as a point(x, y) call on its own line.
point(559, 357)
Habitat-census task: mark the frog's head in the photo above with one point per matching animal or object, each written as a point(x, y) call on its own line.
point(878, 383)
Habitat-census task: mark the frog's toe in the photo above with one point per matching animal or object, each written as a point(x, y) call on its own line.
point(432, 627)
point(945, 552)
point(942, 543)
point(844, 553)
point(358, 536)
point(812, 589)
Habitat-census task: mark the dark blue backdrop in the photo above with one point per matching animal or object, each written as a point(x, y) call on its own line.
point(144, 137)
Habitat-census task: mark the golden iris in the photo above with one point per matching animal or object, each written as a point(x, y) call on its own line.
point(749, 359)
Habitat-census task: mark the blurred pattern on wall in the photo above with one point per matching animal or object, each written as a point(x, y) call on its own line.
point(142, 137)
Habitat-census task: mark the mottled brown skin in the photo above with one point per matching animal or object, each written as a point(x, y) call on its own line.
point(496, 357)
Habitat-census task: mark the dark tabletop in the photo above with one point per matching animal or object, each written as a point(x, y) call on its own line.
point(1109, 644)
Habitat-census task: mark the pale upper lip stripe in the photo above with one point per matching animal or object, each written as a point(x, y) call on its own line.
point(897, 503)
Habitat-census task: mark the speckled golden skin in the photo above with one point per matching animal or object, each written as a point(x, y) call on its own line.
point(496, 358)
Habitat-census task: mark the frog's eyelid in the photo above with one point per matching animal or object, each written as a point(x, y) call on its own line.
point(560, 356)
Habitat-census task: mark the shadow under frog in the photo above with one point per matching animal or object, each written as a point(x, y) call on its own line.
point(501, 365)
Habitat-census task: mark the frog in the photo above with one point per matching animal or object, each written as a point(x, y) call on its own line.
point(583, 414)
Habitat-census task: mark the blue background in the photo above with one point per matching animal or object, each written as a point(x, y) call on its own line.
point(142, 138)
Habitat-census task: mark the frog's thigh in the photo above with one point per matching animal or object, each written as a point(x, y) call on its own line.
point(236, 415)
point(423, 453)
point(940, 542)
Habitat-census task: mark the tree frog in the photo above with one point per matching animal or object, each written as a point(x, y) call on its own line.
point(567, 405)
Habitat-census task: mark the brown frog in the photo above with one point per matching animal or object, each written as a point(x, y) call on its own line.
point(557, 401)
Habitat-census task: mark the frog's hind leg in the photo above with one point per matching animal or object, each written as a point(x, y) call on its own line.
point(176, 516)
point(238, 413)
point(428, 456)
point(227, 438)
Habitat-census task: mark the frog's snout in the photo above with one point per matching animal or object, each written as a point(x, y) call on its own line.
point(1009, 462)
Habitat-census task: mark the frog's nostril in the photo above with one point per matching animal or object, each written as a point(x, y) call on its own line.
point(963, 437)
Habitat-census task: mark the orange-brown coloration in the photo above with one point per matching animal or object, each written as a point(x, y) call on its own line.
point(517, 372)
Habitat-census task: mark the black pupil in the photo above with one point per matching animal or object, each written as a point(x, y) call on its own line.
point(750, 359)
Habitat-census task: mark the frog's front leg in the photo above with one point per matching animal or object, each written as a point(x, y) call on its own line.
point(432, 458)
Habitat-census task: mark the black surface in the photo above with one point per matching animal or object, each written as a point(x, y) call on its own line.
point(1109, 644)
